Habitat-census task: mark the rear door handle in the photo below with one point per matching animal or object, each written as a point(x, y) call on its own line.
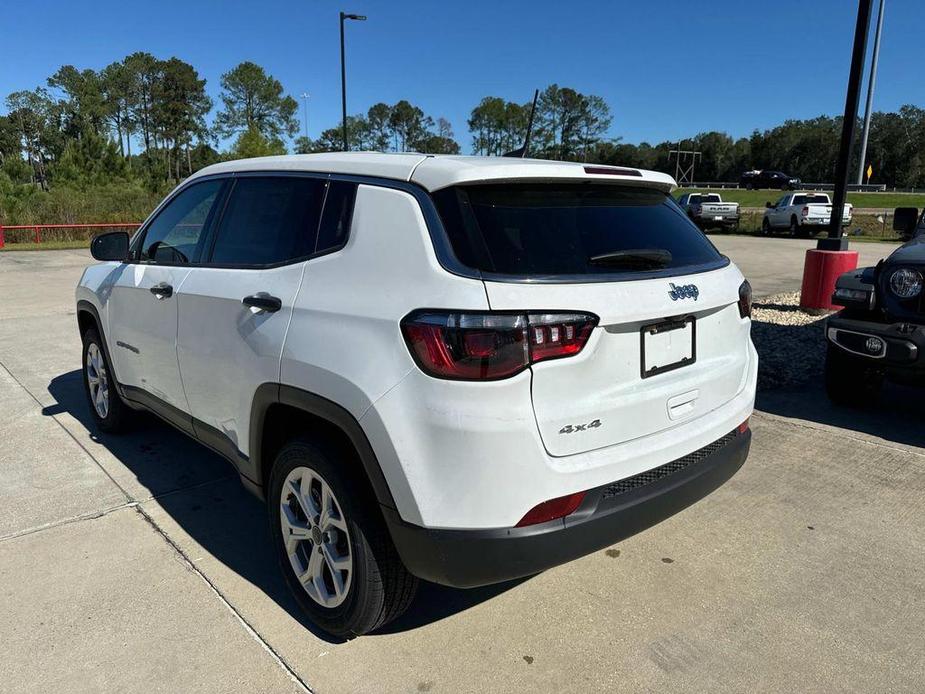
point(263, 301)
point(162, 290)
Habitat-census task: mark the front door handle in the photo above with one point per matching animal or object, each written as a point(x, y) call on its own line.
point(162, 290)
point(263, 301)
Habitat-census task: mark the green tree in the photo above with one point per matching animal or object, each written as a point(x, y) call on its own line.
point(378, 126)
point(440, 142)
point(569, 124)
point(498, 126)
point(117, 85)
point(10, 143)
point(253, 143)
point(254, 99)
point(409, 126)
point(180, 107)
point(143, 72)
point(36, 119)
point(83, 107)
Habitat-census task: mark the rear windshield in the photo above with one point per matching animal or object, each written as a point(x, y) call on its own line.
point(571, 229)
point(711, 198)
point(819, 198)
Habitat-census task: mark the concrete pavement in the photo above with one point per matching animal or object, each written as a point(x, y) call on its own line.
point(138, 563)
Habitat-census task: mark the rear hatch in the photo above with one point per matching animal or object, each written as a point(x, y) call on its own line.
point(670, 345)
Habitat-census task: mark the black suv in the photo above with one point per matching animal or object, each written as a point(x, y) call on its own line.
point(880, 333)
point(768, 179)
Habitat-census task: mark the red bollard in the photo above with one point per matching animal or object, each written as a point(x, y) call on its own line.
point(2, 240)
point(820, 271)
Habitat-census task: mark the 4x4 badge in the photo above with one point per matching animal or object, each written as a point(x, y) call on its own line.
point(685, 291)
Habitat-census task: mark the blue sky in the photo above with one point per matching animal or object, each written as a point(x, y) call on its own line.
point(668, 69)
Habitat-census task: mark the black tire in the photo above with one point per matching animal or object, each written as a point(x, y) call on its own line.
point(795, 227)
point(765, 227)
point(117, 417)
point(851, 380)
point(380, 587)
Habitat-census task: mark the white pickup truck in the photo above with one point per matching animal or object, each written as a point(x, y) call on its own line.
point(707, 210)
point(802, 213)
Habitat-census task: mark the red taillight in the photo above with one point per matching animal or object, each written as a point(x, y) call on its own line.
point(743, 427)
point(489, 346)
point(805, 211)
point(745, 300)
point(552, 509)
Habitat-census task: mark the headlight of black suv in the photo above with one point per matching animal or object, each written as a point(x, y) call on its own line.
point(906, 283)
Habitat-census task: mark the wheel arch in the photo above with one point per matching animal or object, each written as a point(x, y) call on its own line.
point(89, 317)
point(281, 412)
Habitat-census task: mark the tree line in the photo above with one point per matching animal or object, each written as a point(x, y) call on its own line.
point(146, 121)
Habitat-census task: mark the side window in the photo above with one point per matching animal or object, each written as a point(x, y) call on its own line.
point(269, 220)
point(174, 234)
point(682, 201)
point(782, 202)
point(799, 200)
point(694, 200)
point(338, 213)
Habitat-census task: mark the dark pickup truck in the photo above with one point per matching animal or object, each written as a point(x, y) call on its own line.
point(880, 332)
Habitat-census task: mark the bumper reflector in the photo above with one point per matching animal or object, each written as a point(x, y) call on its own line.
point(552, 509)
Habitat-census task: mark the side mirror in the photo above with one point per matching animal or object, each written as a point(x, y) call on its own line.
point(768, 205)
point(110, 246)
point(905, 219)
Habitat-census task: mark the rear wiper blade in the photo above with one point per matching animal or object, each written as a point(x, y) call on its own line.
point(647, 257)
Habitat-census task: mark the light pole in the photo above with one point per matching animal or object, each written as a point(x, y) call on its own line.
point(343, 71)
point(870, 93)
point(305, 96)
point(831, 257)
point(834, 241)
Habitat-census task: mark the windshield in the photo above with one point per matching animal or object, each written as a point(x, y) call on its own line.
point(535, 229)
point(711, 198)
point(824, 199)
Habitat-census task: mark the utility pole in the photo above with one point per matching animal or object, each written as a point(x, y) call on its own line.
point(835, 242)
point(870, 92)
point(343, 72)
point(686, 159)
point(305, 96)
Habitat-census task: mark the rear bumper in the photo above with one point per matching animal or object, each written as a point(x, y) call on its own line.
point(608, 514)
point(726, 220)
point(821, 222)
point(903, 343)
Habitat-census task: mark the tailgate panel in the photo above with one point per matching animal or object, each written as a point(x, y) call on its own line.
point(599, 397)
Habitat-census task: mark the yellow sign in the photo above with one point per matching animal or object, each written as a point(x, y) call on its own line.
point(870, 171)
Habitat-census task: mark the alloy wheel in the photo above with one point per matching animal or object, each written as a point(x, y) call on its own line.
point(97, 380)
point(316, 537)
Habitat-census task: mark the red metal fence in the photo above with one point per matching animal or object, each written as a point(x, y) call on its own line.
point(36, 229)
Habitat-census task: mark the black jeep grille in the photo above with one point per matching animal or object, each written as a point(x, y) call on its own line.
point(662, 471)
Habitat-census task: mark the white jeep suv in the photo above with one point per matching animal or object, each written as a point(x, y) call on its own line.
point(458, 369)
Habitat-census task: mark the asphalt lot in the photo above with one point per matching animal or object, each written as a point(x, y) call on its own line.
point(138, 563)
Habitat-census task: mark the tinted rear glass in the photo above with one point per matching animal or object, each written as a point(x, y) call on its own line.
point(556, 229)
point(711, 198)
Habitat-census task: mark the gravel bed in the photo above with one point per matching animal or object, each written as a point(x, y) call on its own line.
point(790, 342)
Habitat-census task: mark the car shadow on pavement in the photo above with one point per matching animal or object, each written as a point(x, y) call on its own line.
point(203, 495)
point(896, 416)
point(791, 367)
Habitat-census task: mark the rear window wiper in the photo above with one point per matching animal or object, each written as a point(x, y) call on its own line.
point(634, 257)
